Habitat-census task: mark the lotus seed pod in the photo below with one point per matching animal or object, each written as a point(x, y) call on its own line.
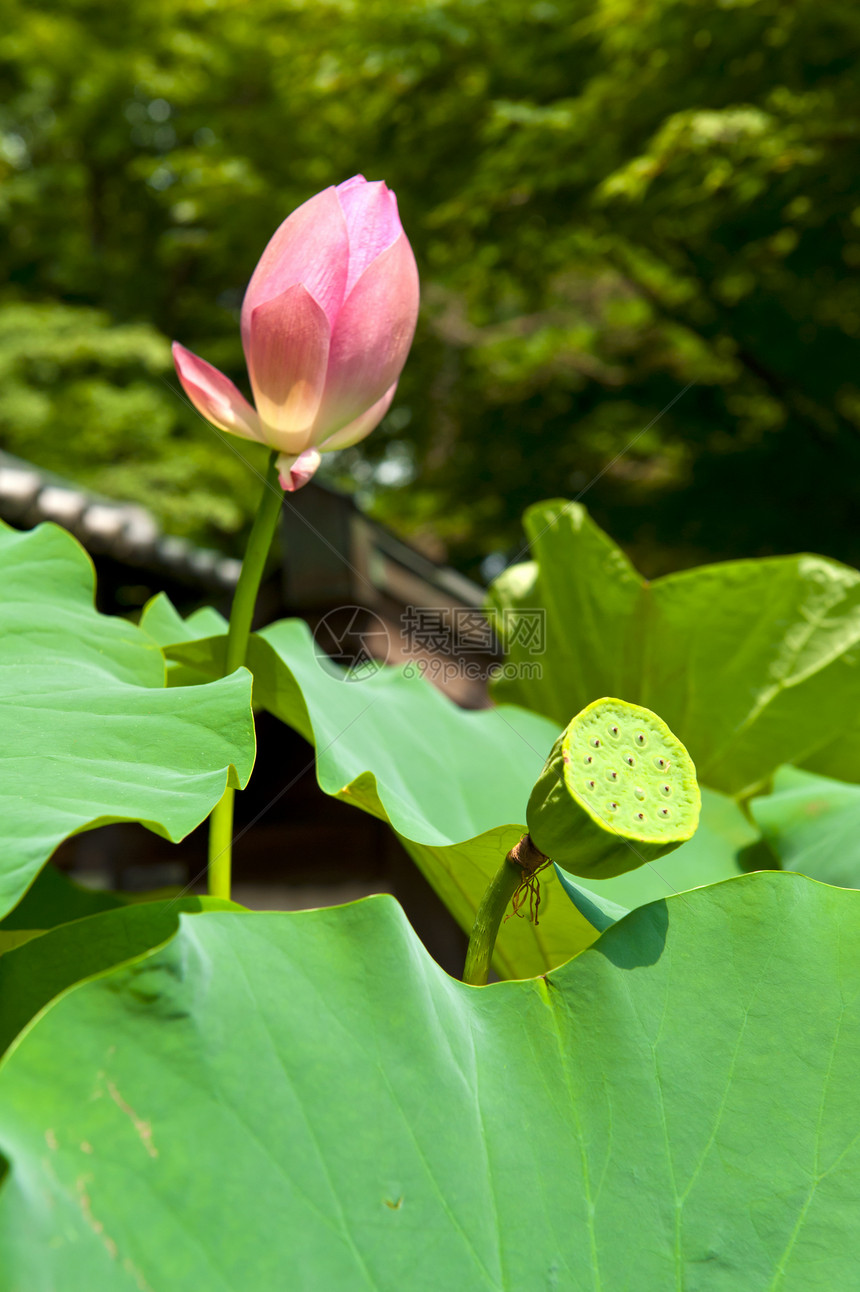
point(618, 790)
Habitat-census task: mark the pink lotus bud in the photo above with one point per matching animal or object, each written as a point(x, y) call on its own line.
point(327, 322)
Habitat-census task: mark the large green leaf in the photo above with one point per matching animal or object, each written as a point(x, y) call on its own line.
point(751, 663)
point(54, 898)
point(597, 909)
point(812, 824)
point(90, 732)
point(307, 1101)
point(34, 973)
point(453, 784)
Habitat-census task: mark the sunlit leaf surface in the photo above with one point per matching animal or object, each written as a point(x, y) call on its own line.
point(751, 663)
point(307, 1100)
point(90, 733)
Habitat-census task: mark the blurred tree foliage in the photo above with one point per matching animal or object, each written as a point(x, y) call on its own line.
point(610, 201)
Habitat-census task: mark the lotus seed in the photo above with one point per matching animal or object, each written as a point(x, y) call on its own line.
point(613, 776)
point(591, 785)
point(639, 792)
point(614, 730)
point(589, 759)
point(640, 816)
point(613, 807)
point(596, 743)
point(640, 739)
point(664, 811)
point(629, 759)
point(667, 789)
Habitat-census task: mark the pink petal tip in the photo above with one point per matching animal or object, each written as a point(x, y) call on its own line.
point(294, 472)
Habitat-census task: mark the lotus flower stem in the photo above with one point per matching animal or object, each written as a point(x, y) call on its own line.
point(518, 867)
point(241, 616)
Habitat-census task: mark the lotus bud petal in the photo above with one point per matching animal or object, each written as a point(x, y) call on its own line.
point(296, 471)
point(362, 426)
point(618, 790)
point(214, 395)
point(327, 322)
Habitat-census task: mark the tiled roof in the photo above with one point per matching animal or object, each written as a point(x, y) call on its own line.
point(129, 533)
point(123, 531)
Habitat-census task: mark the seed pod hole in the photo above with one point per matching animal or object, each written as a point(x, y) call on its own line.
point(630, 760)
point(666, 789)
point(640, 739)
point(588, 758)
point(613, 776)
point(591, 785)
point(613, 731)
point(640, 816)
point(613, 807)
point(596, 743)
point(660, 762)
point(664, 811)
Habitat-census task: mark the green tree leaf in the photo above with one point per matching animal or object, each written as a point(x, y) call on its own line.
point(751, 663)
point(91, 734)
point(605, 206)
point(310, 1093)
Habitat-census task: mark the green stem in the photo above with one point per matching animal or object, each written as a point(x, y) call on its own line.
point(241, 616)
point(259, 542)
point(485, 930)
point(221, 845)
point(521, 863)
